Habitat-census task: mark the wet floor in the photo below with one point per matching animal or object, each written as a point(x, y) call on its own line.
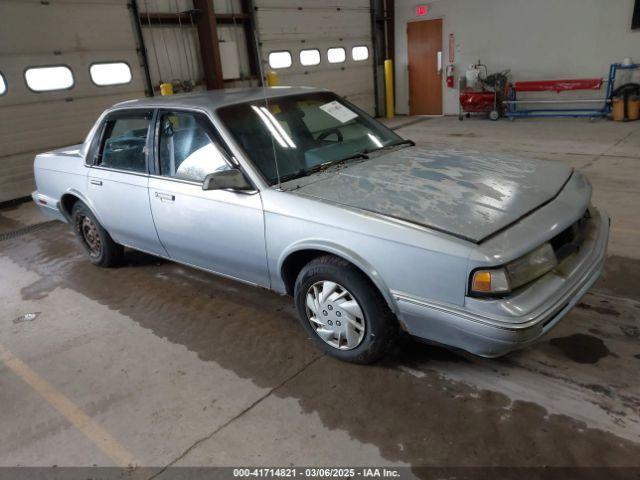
point(183, 368)
point(574, 399)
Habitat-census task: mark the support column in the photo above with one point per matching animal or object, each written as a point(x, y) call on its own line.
point(209, 48)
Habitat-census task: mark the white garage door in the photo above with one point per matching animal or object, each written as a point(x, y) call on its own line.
point(71, 35)
point(320, 44)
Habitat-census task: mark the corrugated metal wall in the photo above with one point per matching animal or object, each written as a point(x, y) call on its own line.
point(173, 51)
point(307, 24)
point(75, 33)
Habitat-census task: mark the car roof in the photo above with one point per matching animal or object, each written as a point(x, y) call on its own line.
point(213, 99)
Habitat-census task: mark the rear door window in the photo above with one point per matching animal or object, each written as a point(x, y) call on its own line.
point(124, 140)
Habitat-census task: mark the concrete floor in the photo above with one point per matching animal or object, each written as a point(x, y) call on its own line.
point(156, 364)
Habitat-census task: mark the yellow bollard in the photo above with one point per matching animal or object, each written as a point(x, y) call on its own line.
point(166, 89)
point(272, 78)
point(388, 84)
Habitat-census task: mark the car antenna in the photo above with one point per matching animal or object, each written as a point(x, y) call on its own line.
point(266, 101)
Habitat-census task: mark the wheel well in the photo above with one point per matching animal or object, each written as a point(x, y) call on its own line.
point(294, 263)
point(297, 260)
point(67, 202)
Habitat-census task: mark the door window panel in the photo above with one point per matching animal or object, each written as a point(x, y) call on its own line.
point(310, 57)
point(360, 53)
point(113, 73)
point(47, 79)
point(187, 148)
point(336, 55)
point(124, 141)
point(280, 59)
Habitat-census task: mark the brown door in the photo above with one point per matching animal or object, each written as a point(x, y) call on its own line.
point(425, 67)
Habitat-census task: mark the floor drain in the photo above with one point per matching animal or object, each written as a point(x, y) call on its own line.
point(25, 230)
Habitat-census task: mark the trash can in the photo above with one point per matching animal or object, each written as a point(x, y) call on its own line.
point(633, 108)
point(618, 109)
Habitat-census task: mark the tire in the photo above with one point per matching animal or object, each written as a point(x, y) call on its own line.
point(96, 241)
point(494, 115)
point(376, 328)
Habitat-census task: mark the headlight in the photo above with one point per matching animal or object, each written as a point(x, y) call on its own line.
point(515, 274)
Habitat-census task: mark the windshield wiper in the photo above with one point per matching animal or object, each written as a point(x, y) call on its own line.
point(292, 176)
point(329, 164)
point(397, 144)
point(305, 172)
point(403, 142)
point(363, 155)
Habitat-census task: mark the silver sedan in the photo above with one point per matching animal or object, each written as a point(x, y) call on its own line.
point(299, 191)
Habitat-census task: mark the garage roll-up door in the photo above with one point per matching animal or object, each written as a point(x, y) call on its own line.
point(75, 34)
point(328, 27)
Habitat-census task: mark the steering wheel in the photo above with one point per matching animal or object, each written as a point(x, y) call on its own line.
point(331, 131)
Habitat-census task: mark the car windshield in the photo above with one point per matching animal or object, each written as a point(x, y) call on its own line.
point(303, 133)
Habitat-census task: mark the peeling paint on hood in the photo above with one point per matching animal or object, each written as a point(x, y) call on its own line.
point(467, 194)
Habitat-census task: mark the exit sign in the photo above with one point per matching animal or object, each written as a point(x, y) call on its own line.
point(422, 10)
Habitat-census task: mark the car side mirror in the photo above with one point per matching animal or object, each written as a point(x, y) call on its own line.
point(232, 179)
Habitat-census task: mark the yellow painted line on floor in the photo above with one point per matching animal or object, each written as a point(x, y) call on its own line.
point(94, 432)
point(626, 230)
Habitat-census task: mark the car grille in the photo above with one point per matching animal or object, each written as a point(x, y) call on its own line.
point(570, 240)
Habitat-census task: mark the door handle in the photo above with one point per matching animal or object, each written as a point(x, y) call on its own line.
point(439, 62)
point(165, 197)
point(96, 182)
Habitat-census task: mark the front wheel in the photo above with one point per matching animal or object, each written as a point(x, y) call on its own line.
point(96, 241)
point(343, 312)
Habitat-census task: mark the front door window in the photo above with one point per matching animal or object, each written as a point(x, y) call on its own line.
point(187, 148)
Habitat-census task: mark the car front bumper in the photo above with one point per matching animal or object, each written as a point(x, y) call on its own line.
point(491, 328)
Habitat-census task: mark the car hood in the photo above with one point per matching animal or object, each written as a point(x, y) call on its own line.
point(470, 195)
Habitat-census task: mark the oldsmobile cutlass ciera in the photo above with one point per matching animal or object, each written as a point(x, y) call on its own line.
point(299, 191)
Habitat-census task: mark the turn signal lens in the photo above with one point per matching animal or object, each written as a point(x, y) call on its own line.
point(490, 281)
point(482, 282)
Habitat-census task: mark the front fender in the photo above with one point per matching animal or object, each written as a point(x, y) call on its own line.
point(343, 252)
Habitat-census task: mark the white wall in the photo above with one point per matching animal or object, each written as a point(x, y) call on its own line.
point(536, 39)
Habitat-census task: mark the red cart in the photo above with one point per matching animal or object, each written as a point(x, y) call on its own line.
point(477, 102)
point(488, 100)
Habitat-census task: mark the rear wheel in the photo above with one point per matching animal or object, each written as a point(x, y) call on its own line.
point(343, 312)
point(96, 241)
